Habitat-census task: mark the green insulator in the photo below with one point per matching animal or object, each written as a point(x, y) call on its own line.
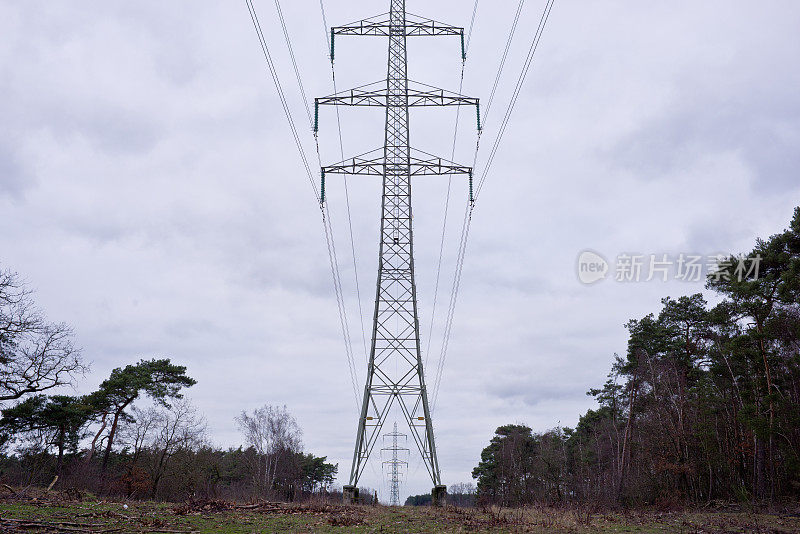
point(478, 113)
point(322, 188)
point(463, 48)
point(471, 198)
point(316, 115)
point(332, 34)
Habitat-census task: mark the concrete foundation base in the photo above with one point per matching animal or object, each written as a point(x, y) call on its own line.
point(438, 495)
point(349, 494)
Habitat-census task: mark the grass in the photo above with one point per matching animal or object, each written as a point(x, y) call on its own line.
point(49, 515)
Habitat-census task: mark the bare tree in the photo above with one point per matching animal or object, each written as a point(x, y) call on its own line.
point(136, 435)
point(181, 427)
point(275, 436)
point(154, 435)
point(35, 355)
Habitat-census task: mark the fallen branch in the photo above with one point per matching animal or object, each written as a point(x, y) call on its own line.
point(247, 506)
point(9, 488)
point(64, 526)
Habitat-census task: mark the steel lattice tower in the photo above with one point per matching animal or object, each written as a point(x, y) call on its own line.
point(394, 371)
point(395, 463)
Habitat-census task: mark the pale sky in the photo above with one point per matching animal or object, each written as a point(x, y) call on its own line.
point(151, 193)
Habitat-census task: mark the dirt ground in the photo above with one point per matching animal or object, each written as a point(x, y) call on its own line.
point(81, 513)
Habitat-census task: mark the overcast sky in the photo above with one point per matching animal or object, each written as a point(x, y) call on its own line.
point(151, 194)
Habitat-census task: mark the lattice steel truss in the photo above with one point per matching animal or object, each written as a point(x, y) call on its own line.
point(394, 371)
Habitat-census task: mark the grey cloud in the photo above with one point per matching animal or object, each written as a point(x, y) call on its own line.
point(533, 390)
point(113, 129)
point(763, 131)
point(14, 178)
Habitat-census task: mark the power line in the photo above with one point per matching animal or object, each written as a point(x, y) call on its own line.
point(464, 231)
point(518, 87)
point(346, 191)
point(327, 221)
point(462, 248)
point(468, 214)
point(449, 187)
point(395, 325)
point(273, 72)
point(502, 62)
point(325, 215)
point(471, 25)
point(294, 61)
point(337, 286)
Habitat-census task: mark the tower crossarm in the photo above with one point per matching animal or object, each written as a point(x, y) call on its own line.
point(377, 95)
point(375, 164)
point(379, 25)
point(383, 26)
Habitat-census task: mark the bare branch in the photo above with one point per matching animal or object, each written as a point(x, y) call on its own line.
point(35, 355)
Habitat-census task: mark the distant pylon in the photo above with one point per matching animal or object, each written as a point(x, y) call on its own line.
point(394, 370)
point(394, 464)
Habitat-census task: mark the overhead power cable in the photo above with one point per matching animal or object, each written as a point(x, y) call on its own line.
point(273, 72)
point(517, 88)
point(337, 285)
point(462, 249)
point(467, 217)
point(471, 25)
point(325, 215)
point(294, 62)
point(468, 214)
point(346, 189)
point(449, 187)
point(502, 63)
point(327, 221)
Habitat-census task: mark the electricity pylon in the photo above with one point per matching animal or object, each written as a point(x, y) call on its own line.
point(394, 369)
point(395, 464)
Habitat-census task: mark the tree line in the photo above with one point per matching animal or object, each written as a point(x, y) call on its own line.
point(704, 405)
point(462, 494)
point(136, 435)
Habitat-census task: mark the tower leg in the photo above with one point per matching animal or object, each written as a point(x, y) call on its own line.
point(349, 494)
point(438, 495)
